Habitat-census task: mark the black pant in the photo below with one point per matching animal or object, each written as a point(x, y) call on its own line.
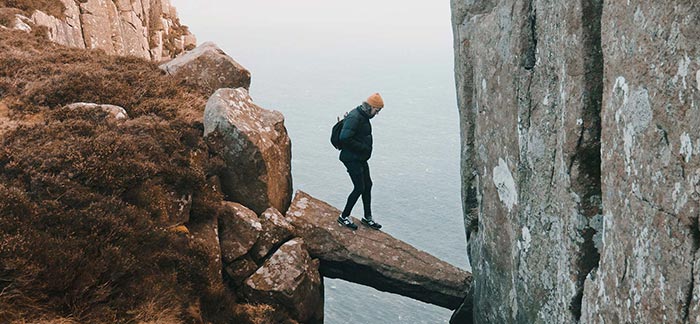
point(359, 174)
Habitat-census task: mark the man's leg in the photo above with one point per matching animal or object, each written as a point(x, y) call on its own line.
point(367, 199)
point(355, 170)
point(367, 192)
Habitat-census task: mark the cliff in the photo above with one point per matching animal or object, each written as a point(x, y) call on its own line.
point(147, 29)
point(579, 175)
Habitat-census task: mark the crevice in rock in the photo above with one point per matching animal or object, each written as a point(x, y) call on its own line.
point(687, 305)
point(653, 205)
point(530, 37)
point(466, 97)
point(585, 164)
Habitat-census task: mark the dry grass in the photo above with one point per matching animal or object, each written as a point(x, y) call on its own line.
point(81, 237)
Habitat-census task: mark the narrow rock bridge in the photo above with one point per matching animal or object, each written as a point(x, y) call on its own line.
point(375, 258)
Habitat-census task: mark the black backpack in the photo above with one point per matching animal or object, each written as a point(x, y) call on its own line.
point(335, 133)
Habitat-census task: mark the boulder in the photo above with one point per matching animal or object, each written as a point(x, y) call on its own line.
point(255, 147)
point(290, 280)
point(239, 229)
point(275, 231)
point(208, 68)
point(115, 112)
point(374, 258)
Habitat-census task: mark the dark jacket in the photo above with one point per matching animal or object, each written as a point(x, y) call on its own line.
point(356, 137)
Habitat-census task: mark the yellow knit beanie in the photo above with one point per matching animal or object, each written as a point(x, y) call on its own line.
point(375, 101)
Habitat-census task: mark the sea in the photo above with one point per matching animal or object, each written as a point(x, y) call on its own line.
point(315, 60)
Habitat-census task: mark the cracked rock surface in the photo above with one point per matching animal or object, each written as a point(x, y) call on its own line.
point(579, 161)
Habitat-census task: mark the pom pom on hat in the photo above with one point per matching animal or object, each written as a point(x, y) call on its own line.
point(376, 101)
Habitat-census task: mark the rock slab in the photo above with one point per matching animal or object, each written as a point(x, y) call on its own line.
point(255, 147)
point(374, 258)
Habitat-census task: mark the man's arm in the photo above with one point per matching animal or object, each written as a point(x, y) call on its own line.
point(347, 136)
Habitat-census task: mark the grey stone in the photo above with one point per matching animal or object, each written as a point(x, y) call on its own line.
point(256, 148)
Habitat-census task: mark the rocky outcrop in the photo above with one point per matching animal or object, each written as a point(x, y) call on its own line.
point(208, 68)
point(256, 148)
point(289, 279)
point(148, 29)
point(374, 258)
point(559, 232)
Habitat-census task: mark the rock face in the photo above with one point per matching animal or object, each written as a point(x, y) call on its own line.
point(256, 148)
point(556, 232)
point(290, 279)
point(374, 258)
point(650, 169)
point(148, 29)
point(209, 68)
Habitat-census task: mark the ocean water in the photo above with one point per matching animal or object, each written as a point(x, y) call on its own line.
point(314, 71)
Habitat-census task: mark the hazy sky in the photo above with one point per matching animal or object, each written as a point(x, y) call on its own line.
point(320, 24)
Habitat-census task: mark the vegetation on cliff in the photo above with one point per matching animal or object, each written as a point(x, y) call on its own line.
point(82, 196)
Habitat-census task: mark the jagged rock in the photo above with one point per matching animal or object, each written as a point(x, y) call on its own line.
point(256, 148)
point(115, 112)
point(240, 270)
point(374, 258)
point(209, 68)
point(206, 235)
point(275, 230)
point(239, 229)
point(289, 279)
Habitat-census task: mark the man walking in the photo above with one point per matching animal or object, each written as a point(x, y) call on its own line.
point(356, 143)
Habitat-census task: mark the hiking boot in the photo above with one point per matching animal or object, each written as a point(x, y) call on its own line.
point(371, 223)
point(347, 222)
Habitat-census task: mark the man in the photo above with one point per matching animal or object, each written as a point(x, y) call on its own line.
point(356, 143)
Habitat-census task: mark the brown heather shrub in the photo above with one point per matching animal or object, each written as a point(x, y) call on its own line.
point(51, 7)
point(82, 196)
